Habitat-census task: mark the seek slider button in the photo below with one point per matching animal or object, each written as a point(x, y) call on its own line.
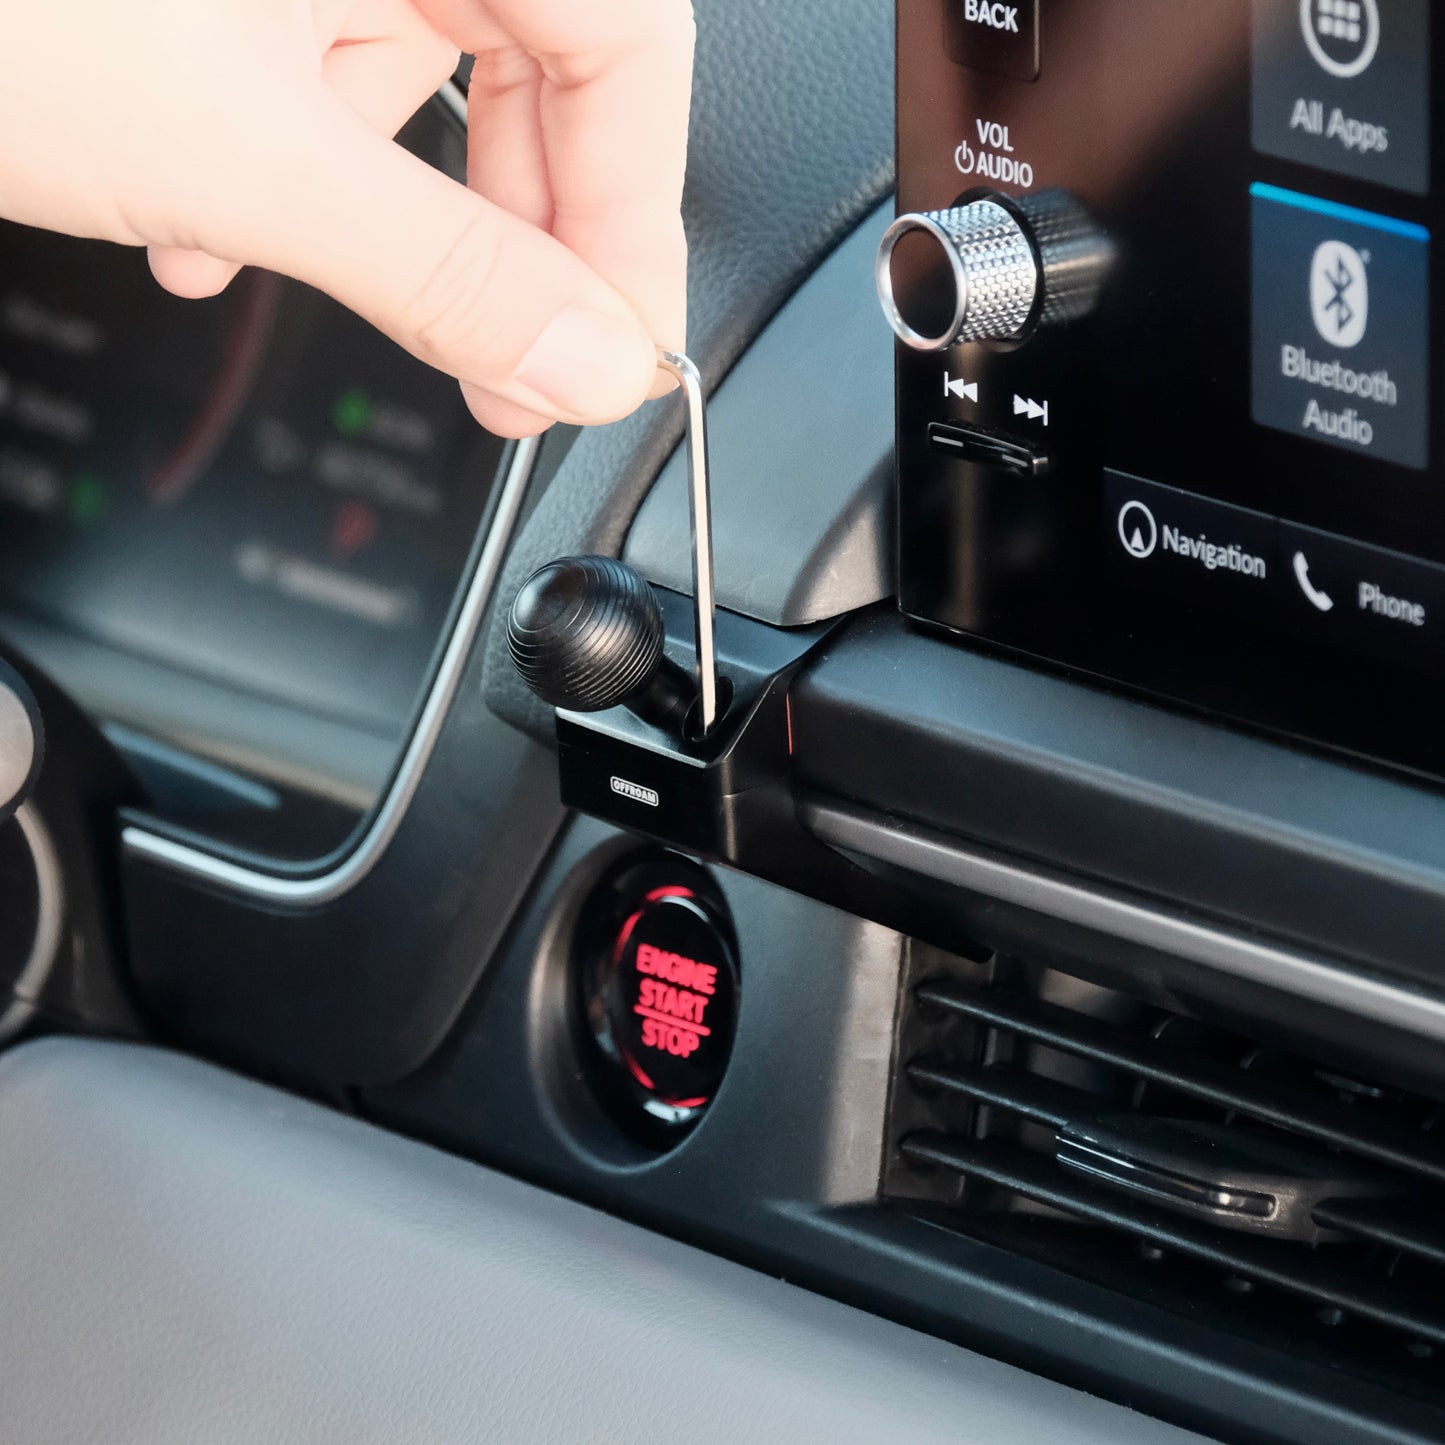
point(988, 449)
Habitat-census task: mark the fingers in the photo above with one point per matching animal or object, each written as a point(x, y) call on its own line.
point(611, 90)
point(503, 418)
point(385, 80)
point(506, 152)
point(192, 274)
point(578, 126)
point(461, 283)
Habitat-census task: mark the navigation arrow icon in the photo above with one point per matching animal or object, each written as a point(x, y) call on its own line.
point(1035, 410)
point(957, 386)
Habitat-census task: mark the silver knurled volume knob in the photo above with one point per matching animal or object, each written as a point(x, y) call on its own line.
point(1038, 261)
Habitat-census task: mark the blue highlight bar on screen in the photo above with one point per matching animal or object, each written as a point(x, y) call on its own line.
point(1351, 214)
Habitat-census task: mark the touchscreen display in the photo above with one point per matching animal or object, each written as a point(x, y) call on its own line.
point(1237, 497)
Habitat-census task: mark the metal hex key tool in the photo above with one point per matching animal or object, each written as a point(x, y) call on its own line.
point(699, 502)
point(700, 759)
point(587, 633)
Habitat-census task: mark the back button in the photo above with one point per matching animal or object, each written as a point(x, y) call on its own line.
point(1001, 36)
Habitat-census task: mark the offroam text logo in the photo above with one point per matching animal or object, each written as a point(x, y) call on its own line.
point(633, 791)
point(992, 14)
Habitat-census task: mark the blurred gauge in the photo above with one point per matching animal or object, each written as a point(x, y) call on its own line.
point(259, 488)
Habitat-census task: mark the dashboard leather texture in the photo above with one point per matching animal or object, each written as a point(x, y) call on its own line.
point(187, 1256)
point(792, 147)
point(801, 433)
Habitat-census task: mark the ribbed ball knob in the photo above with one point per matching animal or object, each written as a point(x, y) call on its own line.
point(586, 633)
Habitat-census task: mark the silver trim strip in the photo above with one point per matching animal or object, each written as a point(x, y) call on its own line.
point(17, 745)
point(1305, 975)
point(49, 924)
point(326, 887)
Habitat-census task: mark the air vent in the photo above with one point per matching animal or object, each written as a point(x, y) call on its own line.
point(1251, 1188)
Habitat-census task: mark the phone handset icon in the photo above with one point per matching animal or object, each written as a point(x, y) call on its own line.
point(1318, 598)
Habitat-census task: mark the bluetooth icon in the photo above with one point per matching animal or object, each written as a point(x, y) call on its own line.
point(1342, 280)
point(1340, 294)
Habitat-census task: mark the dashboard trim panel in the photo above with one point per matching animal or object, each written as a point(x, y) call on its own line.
point(946, 860)
point(323, 888)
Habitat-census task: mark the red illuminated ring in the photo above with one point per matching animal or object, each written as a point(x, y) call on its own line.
point(670, 1039)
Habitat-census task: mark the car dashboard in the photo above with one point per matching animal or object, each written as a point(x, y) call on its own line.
point(255, 499)
point(1041, 955)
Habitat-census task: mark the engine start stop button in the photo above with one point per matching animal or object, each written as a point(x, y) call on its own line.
point(660, 993)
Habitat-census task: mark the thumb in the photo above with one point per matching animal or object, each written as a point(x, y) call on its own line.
point(460, 283)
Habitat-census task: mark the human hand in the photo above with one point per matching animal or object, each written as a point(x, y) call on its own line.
point(223, 133)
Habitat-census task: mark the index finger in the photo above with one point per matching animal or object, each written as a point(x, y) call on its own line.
point(614, 84)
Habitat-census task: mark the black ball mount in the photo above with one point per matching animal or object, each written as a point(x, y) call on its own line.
point(586, 634)
point(699, 761)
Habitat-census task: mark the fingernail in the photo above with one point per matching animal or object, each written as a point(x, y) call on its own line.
point(585, 365)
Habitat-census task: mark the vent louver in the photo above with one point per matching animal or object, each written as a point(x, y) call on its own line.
point(1260, 1191)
